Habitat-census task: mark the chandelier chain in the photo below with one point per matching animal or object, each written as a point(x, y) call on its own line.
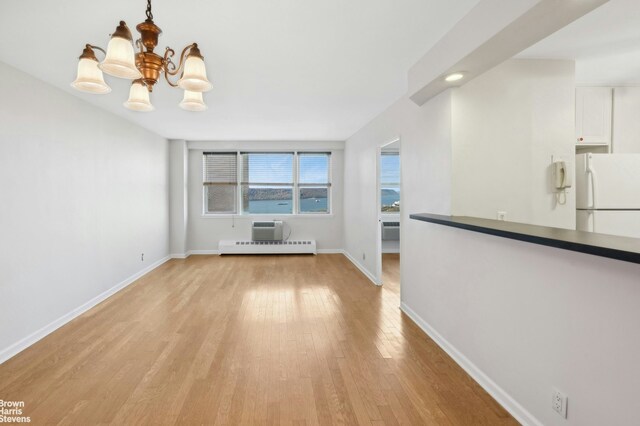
point(149, 14)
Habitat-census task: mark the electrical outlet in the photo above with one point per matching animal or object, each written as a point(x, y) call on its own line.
point(559, 403)
point(142, 257)
point(501, 215)
point(364, 257)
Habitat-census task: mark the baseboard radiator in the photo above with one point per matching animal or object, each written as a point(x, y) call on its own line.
point(267, 247)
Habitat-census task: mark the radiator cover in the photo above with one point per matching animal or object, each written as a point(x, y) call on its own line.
point(267, 247)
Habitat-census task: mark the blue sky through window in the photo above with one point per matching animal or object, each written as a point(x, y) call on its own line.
point(278, 168)
point(270, 168)
point(314, 168)
point(390, 169)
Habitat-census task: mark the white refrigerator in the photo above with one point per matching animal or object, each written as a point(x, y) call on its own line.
point(608, 194)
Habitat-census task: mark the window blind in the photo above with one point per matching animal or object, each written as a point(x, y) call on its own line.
point(390, 168)
point(220, 168)
point(313, 168)
point(267, 168)
point(220, 179)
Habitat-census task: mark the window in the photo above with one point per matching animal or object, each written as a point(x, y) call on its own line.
point(270, 182)
point(220, 170)
point(267, 183)
point(313, 182)
point(390, 182)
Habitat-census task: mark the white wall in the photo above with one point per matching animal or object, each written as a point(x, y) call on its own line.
point(507, 123)
point(204, 233)
point(521, 318)
point(178, 167)
point(83, 193)
point(532, 318)
point(425, 173)
point(626, 125)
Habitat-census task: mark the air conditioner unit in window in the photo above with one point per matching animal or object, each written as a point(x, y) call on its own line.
point(266, 231)
point(391, 231)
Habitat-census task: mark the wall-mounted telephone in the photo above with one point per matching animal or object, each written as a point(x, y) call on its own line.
point(561, 181)
point(562, 178)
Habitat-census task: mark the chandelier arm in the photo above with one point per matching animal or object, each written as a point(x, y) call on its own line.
point(166, 77)
point(169, 53)
point(97, 48)
point(169, 66)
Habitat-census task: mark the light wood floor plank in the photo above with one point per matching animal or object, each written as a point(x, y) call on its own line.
point(251, 340)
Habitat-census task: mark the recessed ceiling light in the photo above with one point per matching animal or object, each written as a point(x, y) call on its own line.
point(454, 77)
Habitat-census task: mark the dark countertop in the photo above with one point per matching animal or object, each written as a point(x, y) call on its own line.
point(614, 247)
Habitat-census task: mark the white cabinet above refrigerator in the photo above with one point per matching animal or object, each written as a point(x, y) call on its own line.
point(593, 115)
point(626, 120)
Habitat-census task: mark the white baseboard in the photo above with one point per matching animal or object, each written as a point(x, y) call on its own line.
point(24, 343)
point(362, 268)
point(330, 251)
point(193, 252)
point(500, 395)
point(198, 252)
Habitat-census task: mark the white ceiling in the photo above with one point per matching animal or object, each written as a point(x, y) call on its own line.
point(605, 44)
point(281, 69)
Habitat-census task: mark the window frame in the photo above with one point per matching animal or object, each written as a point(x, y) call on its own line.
point(295, 211)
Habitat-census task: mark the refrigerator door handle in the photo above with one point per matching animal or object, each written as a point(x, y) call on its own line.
point(592, 177)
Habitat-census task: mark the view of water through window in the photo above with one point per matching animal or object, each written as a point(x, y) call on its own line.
point(390, 182)
point(268, 183)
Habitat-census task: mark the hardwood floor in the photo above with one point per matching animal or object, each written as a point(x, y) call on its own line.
point(391, 272)
point(246, 340)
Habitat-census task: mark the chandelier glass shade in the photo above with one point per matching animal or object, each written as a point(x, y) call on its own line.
point(192, 101)
point(90, 78)
point(139, 98)
point(145, 67)
point(194, 78)
point(120, 58)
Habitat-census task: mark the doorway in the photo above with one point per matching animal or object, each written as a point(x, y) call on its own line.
point(388, 209)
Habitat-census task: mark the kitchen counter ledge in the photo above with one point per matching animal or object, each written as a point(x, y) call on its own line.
point(614, 247)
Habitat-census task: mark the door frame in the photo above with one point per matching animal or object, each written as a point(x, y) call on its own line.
point(378, 272)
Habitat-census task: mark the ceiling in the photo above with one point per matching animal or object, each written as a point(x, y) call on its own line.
point(605, 44)
point(281, 69)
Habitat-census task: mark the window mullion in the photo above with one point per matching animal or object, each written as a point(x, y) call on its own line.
point(296, 178)
point(239, 184)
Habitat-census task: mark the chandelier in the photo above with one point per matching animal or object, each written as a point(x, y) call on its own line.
point(143, 67)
